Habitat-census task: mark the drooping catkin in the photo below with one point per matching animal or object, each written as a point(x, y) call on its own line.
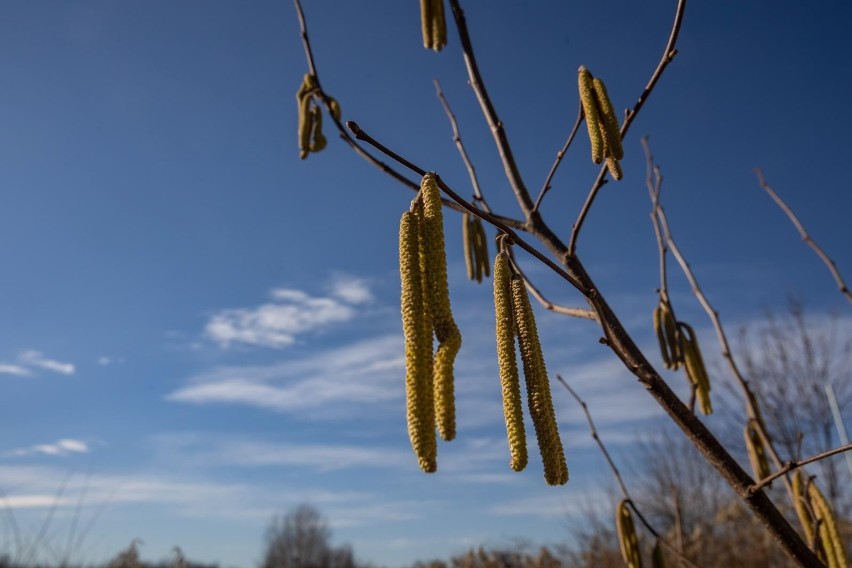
point(538, 387)
point(311, 138)
point(417, 332)
point(667, 336)
point(467, 241)
point(593, 121)
point(695, 368)
point(482, 251)
point(829, 533)
point(438, 291)
point(433, 24)
point(628, 541)
point(609, 121)
point(756, 451)
point(658, 558)
point(799, 496)
point(510, 383)
point(306, 126)
point(614, 168)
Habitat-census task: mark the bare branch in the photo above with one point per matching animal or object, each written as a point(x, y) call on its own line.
point(559, 155)
point(829, 263)
point(474, 182)
point(668, 54)
point(795, 464)
point(594, 432)
point(494, 122)
point(485, 216)
point(583, 313)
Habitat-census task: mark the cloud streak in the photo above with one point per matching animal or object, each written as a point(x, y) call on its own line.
point(63, 447)
point(34, 358)
point(291, 313)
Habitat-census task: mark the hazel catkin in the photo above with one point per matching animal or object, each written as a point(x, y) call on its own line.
point(627, 539)
point(507, 362)
point(593, 121)
point(538, 386)
point(419, 393)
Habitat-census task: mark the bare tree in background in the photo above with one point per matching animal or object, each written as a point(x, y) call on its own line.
point(300, 539)
point(788, 360)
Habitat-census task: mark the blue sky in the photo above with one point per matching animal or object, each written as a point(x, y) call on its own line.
point(199, 330)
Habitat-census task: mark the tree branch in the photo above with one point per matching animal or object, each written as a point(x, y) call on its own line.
point(623, 346)
point(795, 464)
point(547, 304)
point(559, 155)
point(494, 122)
point(668, 54)
point(829, 263)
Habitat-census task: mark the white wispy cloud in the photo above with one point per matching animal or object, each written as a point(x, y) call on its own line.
point(364, 372)
point(63, 447)
point(7, 369)
point(34, 358)
point(292, 312)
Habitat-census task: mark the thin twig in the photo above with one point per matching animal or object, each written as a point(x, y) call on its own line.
point(668, 54)
point(583, 313)
point(794, 464)
point(474, 182)
point(617, 474)
point(494, 122)
point(485, 216)
point(829, 263)
point(559, 155)
point(748, 396)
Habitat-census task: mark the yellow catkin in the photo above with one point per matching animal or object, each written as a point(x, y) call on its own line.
point(420, 411)
point(467, 241)
point(446, 331)
point(434, 24)
point(609, 121)
point(510, 384)
point(484, 259)
point(477, 236)
point(334, 107)
point(756, 451)
point(318, 141)
point(661, 336)
point(538, 387)
point(614, 168)
point(627, 539)
point(695, 368)
point(587, 99)
point(673, 339)
point(799, 504)
point(829, 533)
point(306, 125)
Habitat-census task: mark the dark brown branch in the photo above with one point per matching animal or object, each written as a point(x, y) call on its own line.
point(623, 346)
point(485, 216)
point(829, 263)
point(494, 122)
point(474, 182)
point(559, 155)
point(617, 474)
point(668, 55)
point(795, 464)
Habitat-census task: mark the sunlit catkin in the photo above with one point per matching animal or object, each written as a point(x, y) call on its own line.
point(756, 451)
point(627, 539)
point(614, 168)
point(695, 368)
point(593, 121)
point(420, 410)
point(538, 387)
point(438, 291)
point(799, 496)
point(609, 121)
point(434, 24)
point(829, 533)
point(513, 408)
point(482, 249)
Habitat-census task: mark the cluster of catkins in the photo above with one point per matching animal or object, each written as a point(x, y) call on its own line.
point(434, 24)
point(679, 347)
point(476, 258)
point(818, 514)
point(426, 315)
point(426, 311)
point(628, 540)
point(311, 138)
point(601, 121)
